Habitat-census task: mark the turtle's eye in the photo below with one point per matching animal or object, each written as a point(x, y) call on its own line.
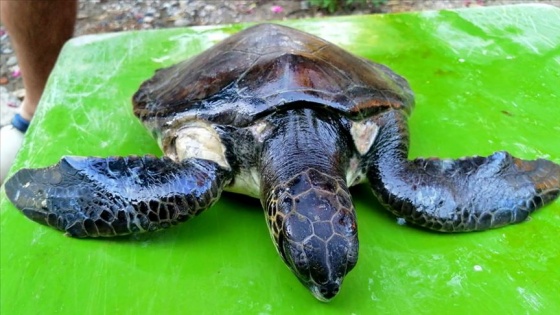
point(295, 257)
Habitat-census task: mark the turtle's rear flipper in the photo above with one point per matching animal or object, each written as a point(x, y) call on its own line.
point(91, 197)
point(468, 194)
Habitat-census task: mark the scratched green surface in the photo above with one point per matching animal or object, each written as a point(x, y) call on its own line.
point(486, 79)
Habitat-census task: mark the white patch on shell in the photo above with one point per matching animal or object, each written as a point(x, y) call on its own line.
point(198, 139)
point(364, 133)
point(247, 182)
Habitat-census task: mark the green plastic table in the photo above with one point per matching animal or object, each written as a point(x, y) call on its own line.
point(486, 79)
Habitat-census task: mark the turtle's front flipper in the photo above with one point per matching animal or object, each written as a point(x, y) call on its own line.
point(91, 197)
point(468, 194)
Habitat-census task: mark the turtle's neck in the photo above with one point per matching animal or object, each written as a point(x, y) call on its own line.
point(304, 138)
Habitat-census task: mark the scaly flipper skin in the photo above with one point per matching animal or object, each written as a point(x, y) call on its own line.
point(102, 197)
point(468, 194)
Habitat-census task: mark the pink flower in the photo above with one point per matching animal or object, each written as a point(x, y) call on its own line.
point(13, 104)
point(276, 9)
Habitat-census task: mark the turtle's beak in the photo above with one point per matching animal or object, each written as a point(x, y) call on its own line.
point(326, 292)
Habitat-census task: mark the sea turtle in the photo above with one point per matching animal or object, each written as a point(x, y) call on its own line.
point(291, 119)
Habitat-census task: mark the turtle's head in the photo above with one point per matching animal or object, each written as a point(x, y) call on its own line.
point(307, 203)
point(312, 221)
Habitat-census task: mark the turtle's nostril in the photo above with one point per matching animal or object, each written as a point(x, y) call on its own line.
point(325, 292)
point(329, 291)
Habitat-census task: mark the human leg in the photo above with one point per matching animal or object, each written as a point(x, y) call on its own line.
point(38, 30)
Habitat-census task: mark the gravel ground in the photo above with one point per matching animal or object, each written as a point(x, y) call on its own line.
point(100, 16)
